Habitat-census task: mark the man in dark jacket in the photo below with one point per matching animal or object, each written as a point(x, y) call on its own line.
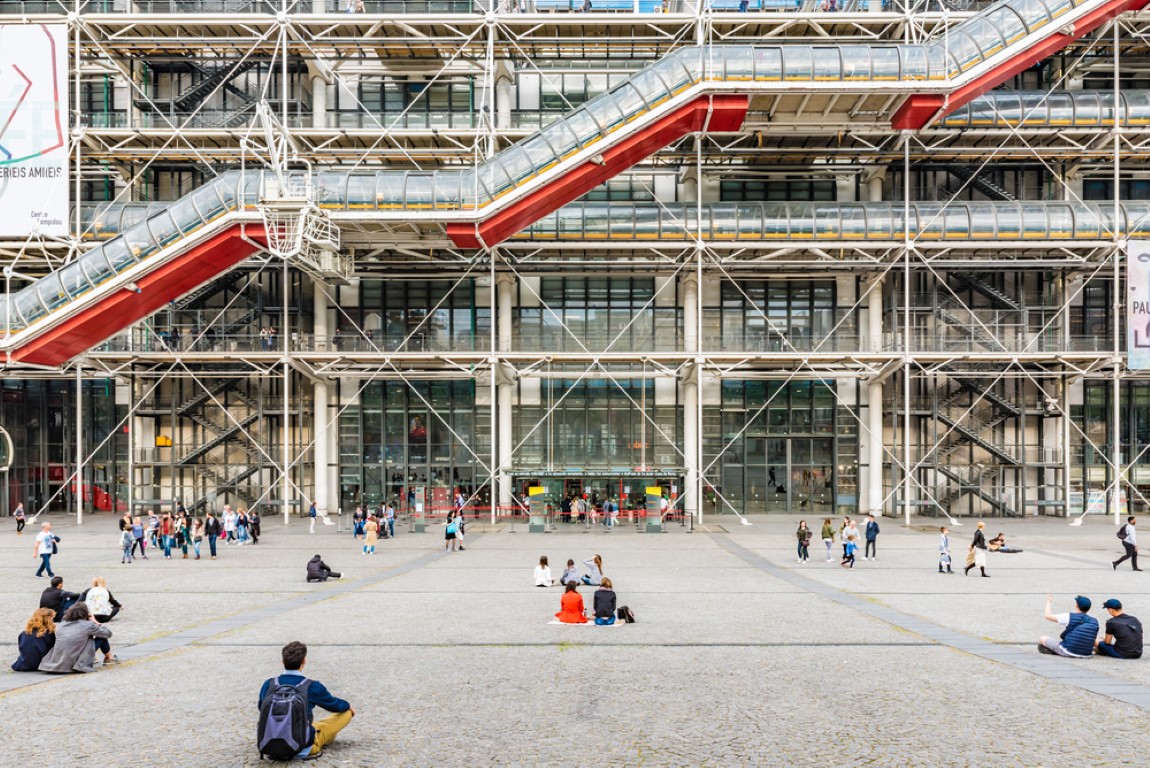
point(212, 532)
point(322, 732)
point(317, 570)
point(57, 598)
point(871, 538)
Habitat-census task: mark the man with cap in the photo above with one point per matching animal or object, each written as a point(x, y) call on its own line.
point(1123, 634)
point(1077, 640)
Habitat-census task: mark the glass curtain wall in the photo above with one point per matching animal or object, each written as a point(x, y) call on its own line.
point(40, 418)
point(780, 447)
point(597, 425)
point(417, 316)
point(401, 437)
point(597, 313)
point(778, 316)
point(1090, 471)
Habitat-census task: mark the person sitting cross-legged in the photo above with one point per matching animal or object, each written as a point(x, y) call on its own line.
point(320, 733)
point(1077, 640)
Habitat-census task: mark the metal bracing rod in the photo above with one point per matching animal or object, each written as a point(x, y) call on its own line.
point(986, 160)
point(1117, 297)
point(177, 130)
point(132, 409)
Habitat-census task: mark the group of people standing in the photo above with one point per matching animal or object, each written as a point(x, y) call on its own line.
point(184, 531)
point(848, 534)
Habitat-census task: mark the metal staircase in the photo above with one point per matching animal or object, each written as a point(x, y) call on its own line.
point(983, 285)
point(974, 178)
point(972, 416)
point(226, 456)
point(211, 79)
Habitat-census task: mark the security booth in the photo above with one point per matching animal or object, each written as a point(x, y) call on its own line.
point(538, 500)
point(654, 518)
point(418, 509)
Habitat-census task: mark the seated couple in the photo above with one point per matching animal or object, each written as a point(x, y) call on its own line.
point(572, 610)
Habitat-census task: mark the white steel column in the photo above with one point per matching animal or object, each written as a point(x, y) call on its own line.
point(504, 387)
point(318, 102)
point(321, 452)
point(79, 485)
point(874, 492)
point(691, 452)
point(504, 93)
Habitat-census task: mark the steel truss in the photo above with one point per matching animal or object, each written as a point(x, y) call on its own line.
point(904, 360)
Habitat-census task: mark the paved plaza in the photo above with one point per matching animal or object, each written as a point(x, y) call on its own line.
point(740, 656)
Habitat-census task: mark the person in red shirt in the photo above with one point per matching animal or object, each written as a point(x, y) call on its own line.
point(571, 606)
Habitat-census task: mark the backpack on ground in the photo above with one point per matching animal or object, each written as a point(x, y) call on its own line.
point(1122, 533)
point(285, 720)
point(625, 614)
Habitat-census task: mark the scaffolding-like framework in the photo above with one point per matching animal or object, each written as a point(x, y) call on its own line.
point(957, 363)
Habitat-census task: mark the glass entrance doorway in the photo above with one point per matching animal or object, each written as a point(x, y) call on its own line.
point(629, 490)
point(797, 476)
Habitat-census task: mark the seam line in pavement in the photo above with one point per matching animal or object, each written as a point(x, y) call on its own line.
point(17, 680)
point(1049, 667)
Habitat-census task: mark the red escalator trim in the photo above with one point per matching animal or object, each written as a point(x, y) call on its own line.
point(917, 110)
point(727, 113)
point(121, 308)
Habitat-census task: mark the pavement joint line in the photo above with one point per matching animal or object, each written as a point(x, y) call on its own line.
point(1053, 668)
point(226, 624)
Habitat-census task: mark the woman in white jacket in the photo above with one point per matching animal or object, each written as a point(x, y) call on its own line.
point(543, 573)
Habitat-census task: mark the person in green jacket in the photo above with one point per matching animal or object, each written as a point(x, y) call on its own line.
point(828, 536)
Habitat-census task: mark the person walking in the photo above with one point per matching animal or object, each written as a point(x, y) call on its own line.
point(977, 556)
point(944, 550)
point(357, 518)
point(197, 535)
point(139, 538)
point(828, 536)
point(44, 548)
point(804, 535)
point(254, 525)
point(229, 523)
point(167, 534)
point(389, 512)
point(450, 531)
point(844, 532)
point(153, 528)
point(849, 550)
point(1128, 535)
point(369, 540)
point(21, 518)
point(183, 535)
point(126, 543)
point(212, 531)
point(311, 512)
point(242, 536)
point(461, 529)
point(872, 532)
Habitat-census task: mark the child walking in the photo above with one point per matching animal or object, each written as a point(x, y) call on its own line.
point(126, 544)
point(849, 552)
point(944, 550)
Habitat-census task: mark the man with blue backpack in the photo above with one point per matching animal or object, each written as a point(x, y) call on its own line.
point(286, 730)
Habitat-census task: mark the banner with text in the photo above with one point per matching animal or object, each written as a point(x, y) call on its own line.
point(33, 126)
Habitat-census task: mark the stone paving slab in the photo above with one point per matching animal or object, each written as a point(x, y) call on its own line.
point(451, 662)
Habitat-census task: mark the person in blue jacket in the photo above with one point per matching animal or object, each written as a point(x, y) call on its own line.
point(1077, 640)
point(35, 641)
point(321, 732)
point(871, 534)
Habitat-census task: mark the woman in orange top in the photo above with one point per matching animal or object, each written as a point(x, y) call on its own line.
point(571, 606)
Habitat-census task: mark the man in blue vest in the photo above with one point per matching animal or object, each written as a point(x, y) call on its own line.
point(1077, 640)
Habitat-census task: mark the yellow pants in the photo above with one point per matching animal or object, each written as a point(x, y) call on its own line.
point(327, 728)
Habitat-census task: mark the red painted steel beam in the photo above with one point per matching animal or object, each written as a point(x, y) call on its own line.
point(726, 115)
point(119, 309)
point(919, 109)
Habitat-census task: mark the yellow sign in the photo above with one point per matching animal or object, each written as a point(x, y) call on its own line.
point(654, 490)
point(536, 490)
